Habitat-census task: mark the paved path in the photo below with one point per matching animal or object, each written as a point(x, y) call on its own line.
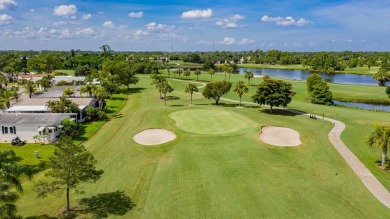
point(368, 179)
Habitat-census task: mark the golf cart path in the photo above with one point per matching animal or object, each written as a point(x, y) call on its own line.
point(368, 179)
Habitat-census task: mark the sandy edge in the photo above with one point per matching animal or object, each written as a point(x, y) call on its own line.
point(151, 137)
point(279, 136)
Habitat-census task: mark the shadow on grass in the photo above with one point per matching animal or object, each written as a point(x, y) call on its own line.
point(176, 105)
point(170, 98)
point(80, 133)
point(117, 116)
point(44, 216)
point(280, 112)
point(105, 204)
point(227, 104)
point(133, 90)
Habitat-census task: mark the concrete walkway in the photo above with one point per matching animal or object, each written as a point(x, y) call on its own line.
point(368, 179)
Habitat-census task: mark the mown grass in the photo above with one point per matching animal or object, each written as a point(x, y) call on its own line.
point(67, 71)
point(114, 105)
point(219, 176)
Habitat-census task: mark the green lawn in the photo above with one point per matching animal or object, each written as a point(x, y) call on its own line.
point(202, 175)
point(68, 72)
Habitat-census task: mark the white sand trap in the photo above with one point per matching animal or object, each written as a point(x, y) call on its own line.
point(154, 137)
point(281, 137)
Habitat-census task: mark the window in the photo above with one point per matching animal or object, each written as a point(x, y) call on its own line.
point(11, 130)
point(14, 130)
point(5, 130)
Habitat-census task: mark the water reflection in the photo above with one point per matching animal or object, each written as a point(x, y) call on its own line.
point(363, 106)
point(302, 75)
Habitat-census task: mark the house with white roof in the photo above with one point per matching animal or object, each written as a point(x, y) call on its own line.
point(38, 105)
point(27, 125)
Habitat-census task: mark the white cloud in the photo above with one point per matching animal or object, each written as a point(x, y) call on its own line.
point(155, 26)
point(136, 14)
point(109, 24)
point(285, 21)
point(230, 22)
point(197, 14)
point(59, 23)
point(87, 16)
point(302, 22)
point(32, 10)
point(86, 31)
point(141, 33)
point(232, 41)
point(7, 4)
point(65, 10)
point(5, 19)
point(245, 41)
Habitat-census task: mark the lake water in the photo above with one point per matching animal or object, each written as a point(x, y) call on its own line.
point(302, 75)
point(363, 106)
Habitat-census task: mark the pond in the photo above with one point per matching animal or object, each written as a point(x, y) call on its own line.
point(302, 75)
point(367, 106)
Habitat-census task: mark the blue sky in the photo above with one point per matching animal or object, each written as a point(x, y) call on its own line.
point(299, 25)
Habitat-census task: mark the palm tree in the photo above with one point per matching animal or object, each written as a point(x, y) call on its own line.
point(187, 73)
point(165, 88)
point(6, 97)
point(101, 95)
point(211, 72)
point(380, 137)
point(15, 91)
point(68, 92)
point(88, 89)
point(240, 89)
point(179, 72)
point(168, 68)
point(249, 75)
point(197, 72)
point(225, 68)
point(3, 80)
point(10, 183)
point(191, 88)
point(158, 80)
point(30, 88)
point(230, 70)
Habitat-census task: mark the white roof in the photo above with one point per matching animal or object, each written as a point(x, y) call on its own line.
point(27, 109)
point(40, 129)
point(34, 108)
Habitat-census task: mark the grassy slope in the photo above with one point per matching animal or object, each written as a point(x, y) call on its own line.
point(230, 176)
point(359, 122)
point(68, 72)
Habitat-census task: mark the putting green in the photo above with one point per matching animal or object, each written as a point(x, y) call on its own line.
point(211, 122)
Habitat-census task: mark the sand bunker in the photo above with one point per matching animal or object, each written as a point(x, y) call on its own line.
point(154, 137)
point(278, 136)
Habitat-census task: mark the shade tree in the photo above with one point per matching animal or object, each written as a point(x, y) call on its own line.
point(215, 90)
point(274, 93)
point(69, 166)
